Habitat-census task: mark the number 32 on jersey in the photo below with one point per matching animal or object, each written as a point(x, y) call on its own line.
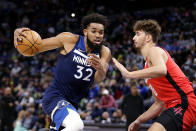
point(80, 70)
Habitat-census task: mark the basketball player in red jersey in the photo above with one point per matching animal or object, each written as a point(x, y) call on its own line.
point(175, 102)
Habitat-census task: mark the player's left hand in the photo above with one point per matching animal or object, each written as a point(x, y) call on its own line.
point(17, 35)
point(134, 126)
point(122, 69)
point(95, 62)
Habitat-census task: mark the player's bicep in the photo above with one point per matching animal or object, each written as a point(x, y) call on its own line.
point(51, 43)
point(58, 41)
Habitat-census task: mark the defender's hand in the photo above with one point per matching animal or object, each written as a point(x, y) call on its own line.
point(134, 126)
point(122, 69)
point(17, 35)
point(94, 61)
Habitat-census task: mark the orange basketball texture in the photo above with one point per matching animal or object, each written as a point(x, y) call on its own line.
point(30, 44)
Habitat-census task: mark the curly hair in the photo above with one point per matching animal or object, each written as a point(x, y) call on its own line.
point(94, 18)
point(149, 26)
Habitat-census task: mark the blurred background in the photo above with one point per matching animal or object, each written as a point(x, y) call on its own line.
point(112, 104)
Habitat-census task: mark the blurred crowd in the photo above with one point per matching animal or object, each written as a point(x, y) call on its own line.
point(24, 79)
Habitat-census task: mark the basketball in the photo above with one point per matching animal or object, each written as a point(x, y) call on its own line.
point(29, 46)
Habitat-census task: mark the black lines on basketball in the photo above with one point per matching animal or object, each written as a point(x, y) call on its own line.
point(30, 44)
point(30, 47)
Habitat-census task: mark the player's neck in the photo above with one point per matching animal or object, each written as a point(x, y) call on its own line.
point(146, 48)
point(88, 49)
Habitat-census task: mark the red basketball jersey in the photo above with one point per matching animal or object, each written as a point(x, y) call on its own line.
point(172, 88)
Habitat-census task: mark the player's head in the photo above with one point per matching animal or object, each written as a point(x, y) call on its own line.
point(7, 91)
point(93, 26)
point(146, 31)
point(133, 89)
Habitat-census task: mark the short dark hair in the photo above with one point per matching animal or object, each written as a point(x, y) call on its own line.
point(149, 26)
point(94, 18)
point(133, 83)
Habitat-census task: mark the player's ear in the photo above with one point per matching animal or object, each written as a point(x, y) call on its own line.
point(149, 37)
point(85, 32)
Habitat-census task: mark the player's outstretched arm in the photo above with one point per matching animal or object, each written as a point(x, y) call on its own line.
point(100, 64)
point(156, 108)
point(64, 39)
point(49, 43)
point(157, 69)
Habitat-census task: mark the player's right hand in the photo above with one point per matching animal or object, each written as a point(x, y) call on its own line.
point(134, 126)
point(123, 70)
point(17, 35)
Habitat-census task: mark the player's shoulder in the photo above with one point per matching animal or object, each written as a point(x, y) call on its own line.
point(105, 51)
point(68, 37)
point(160, 50)
point(155, 50)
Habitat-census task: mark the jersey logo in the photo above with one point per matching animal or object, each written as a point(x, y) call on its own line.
point(178, 110)
point(80, 60)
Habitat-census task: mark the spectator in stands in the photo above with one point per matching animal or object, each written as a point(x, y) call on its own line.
point(30, 119)
point(26, 100)
point(93, 92)
point(125, 91)
point(96, 112)
point(132, 105)
point(8, 108)
point(18, 123)
point(105, 117)
point(117, 117)
point(108, 102)
point(85, 114)
point(143, 89)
